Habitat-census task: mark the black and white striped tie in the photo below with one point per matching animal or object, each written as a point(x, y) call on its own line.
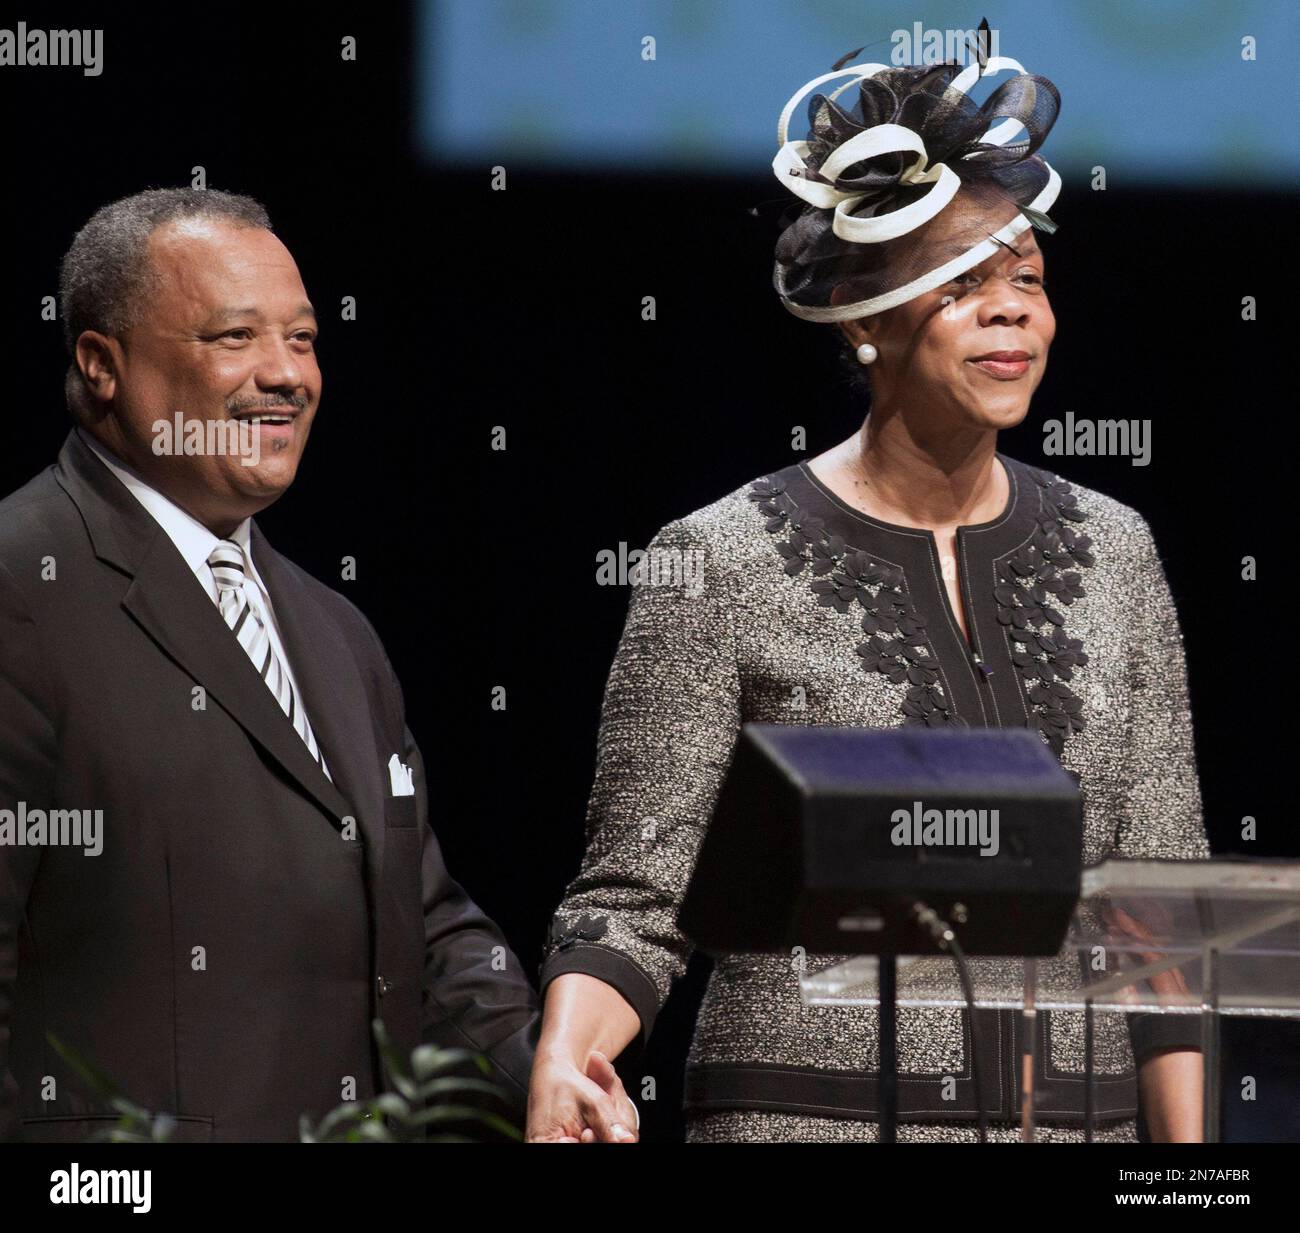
point(245, 621)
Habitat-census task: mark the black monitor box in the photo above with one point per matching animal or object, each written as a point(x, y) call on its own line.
point(826, 838)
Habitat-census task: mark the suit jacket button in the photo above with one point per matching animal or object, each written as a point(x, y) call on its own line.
point(383, 986)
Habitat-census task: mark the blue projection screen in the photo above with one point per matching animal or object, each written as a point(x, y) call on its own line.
point(1200, 91)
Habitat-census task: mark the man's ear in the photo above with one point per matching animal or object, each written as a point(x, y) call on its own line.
point(96, 357)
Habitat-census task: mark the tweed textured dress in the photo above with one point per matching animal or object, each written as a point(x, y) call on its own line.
point(781, 603)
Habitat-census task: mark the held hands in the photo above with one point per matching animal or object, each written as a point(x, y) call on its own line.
point(569, 1105)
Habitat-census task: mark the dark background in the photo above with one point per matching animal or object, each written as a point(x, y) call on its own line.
point(523, 309)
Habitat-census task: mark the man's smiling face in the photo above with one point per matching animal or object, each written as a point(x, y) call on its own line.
point(224, 331)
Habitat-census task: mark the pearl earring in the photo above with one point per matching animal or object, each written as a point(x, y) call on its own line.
point(867, 354)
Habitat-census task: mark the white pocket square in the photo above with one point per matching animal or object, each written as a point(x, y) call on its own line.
point(400, 777)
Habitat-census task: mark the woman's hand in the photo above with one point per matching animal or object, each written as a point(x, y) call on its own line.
point(568, 1103)
point(574, 1094)
point(1171, 1082)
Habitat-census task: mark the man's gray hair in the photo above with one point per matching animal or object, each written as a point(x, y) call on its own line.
point(105, 271)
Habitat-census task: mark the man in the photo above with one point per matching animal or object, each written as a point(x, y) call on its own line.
point(251, 878)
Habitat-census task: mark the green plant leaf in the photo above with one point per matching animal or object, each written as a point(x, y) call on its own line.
point(393, 1061)
point(447, 1087)
point(408, 1112)
point(333, 1119)
point(391, 1105)
point(427, 1060)
point(372, 1131)
point(89, 1073)
point(129, 1110)
point(465, 1113)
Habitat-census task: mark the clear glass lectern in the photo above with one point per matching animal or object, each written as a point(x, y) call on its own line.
point(1205, 938)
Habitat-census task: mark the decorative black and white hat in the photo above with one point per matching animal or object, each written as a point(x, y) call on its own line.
point(914, 147)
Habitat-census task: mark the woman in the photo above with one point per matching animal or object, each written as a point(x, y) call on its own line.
point(911, 574)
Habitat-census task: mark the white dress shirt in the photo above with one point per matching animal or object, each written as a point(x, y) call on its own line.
point(195, 543)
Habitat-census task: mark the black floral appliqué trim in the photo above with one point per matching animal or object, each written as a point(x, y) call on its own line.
point(565, 934)
point(844, 577)
point(1031, 584)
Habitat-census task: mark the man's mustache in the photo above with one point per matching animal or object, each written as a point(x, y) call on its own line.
point(271, 402)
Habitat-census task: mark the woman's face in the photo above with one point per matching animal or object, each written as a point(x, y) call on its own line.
point(932, 349)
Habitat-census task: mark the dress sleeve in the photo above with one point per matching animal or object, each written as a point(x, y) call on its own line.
point(1163, 817)
point(668, 729)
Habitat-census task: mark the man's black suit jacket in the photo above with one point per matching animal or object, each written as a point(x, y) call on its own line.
point(222, 958)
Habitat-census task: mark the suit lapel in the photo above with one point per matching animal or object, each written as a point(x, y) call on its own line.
point(170, 605)
point(333, 692)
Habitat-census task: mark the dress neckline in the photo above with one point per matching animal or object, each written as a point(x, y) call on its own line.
point(851, 511)
point(1019, 574)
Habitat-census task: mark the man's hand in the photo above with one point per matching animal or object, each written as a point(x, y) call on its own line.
point(569, 1104)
